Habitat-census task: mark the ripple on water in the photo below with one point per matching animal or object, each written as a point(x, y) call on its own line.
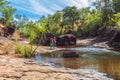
point(95, 50)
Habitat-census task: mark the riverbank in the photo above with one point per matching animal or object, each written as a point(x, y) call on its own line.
point(93, 42)
point(13, 68)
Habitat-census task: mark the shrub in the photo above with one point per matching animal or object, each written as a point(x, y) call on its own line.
point(24, 50)
point(116, 19)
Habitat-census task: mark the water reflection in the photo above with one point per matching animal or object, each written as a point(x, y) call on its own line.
point(111, 66)
point(105, 62)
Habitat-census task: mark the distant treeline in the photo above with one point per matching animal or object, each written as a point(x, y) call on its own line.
point(100, 14)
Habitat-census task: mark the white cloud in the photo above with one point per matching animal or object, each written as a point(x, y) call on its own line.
point(39, 8)
point(22, 5)
point(45, 7)
point(24, 9)
point(56, 7)
point(77, 3)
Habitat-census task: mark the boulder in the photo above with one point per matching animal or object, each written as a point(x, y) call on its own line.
point(66, 40)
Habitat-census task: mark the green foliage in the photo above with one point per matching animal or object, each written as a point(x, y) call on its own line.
point(116, 5)
point(6, 12)
point(103, 13)
point(51, 23)
point(90, 21)
point(70, 16)
point(55, 30)
point(30, 29)
point(105, 7)
point(116, 19)
point(24, 50)
point(21, 22)
point(32, 36)
point(24, 31)
point(3, 3)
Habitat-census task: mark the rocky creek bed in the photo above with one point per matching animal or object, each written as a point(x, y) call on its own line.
point(13, 68)
point(28, 69)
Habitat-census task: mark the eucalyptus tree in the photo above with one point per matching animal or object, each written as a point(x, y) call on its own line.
point(3, 3)
point(21, 22)
point(116, 16)
point(56, 21)
point(89, 19)
point(43, 21)
point(116, 5)
point(6, 12)
point(50, 22)
point(83, 15)
point(57, 17)
point(84, 12)
point(70, 16)
point(106, 8)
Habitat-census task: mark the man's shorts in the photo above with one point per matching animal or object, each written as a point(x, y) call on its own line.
point(51, 44)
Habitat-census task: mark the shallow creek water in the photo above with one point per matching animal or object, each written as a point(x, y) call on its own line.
point(99, 59)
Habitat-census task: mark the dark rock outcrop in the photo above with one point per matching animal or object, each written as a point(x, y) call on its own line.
point(66, 40)
point(114, 42)
point(7, 31)
point(110, 34)
point(106, 33)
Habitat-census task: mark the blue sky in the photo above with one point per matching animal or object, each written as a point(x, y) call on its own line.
point(34, 9)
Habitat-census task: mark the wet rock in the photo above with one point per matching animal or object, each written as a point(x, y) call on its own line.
point(70, 54)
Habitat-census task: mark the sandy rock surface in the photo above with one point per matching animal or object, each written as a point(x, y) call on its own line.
point(27, 69)
point(12, 68)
